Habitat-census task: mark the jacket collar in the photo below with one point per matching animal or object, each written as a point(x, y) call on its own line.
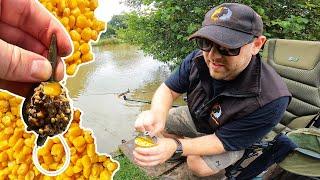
point(246, 84)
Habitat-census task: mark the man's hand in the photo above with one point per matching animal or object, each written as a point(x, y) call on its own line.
point(25, 32)
point(155, 155)
point(149, 121)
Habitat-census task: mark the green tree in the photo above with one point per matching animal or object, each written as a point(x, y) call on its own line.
point(162, 29)
point(117, 22)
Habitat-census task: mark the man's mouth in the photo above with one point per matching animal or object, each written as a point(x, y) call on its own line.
point(216, 65)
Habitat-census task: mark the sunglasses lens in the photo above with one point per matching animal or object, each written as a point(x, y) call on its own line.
point(204, 44)
point(232, 52)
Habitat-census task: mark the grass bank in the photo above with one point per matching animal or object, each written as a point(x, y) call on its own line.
point(129, 171)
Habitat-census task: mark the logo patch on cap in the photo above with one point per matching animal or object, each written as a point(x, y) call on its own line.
point(222, 13)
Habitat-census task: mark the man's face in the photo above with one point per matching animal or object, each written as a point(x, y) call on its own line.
point(229, 67)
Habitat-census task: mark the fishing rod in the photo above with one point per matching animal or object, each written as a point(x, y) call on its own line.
point(140, 101)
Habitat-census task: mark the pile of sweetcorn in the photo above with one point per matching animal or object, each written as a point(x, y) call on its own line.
point(16, 147)
point(77, 16)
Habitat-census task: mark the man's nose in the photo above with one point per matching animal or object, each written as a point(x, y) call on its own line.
point(214, 53)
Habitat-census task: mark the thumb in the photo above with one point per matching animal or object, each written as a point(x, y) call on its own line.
point(17, 64)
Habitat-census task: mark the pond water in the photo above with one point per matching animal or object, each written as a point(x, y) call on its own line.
point(96, 86)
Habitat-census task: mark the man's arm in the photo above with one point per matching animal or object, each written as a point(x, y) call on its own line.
point(205, 145)
point(163, 100)
point(154, 120)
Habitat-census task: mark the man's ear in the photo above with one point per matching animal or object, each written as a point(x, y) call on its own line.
point(257, 44)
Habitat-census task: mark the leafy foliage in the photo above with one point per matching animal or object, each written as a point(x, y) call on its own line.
point(162, 29)
point(117, 22)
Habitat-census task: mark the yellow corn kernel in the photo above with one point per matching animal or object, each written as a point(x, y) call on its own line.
point(15, 111)
point(93, 4)
point(84, 48)
point(18, 145)
point(73, 151)
point(79, 30)
point(36, 171)
point(69, 171)
point(105, 175)
point(75, 131)
point(74, 158)
point(103, 158)
point(69, 59)
point(65, 21)
point(71, 69)
point(26, 150)
point(94, 158)
point(3, 137)
point(86, 172)
point(82, 21)
point(20, 157)
point(76, 45)
point(18, 132)
point(29, 142)
point(57, 149)
point(53, 166)
point(88, 137)
point(48, 159)
point(3, 156)
point(91, 150)
point(76, 169)
point(76, 116)
point(72, 4)
point(20, 125)
point(87, 57)
point(79, 141)
point(28, 160)
point(5, 96)
point(10, 153)
point(27, 135)
point(86, 162)
point(81, 4)
point(43, 151)
point(66, 12)
point(86, 34)
point(23, 169)
point(30, 175)
point(8, 130)
point(76, 55)
point(89, 15)
point(111, 166)
point(72, 21)
point(81, 149)
point(75, 36)
point(76, 12)
point(95, 170)
point(94, 35)
point(6, 120)
point(57, 158)
point(62, 5)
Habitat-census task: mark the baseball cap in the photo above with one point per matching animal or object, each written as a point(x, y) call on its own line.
point(230, 25)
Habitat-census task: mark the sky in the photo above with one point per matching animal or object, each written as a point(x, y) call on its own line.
point(108, 8)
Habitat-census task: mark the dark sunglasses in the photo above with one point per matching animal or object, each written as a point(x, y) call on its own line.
point(207, 45)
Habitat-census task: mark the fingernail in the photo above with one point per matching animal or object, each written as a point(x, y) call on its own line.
point(40, 69)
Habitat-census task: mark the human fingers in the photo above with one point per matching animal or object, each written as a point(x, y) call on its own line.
point(21, 65)
point(152, 151)
point(20, 38)
point(138, 124)
point(147, 164)
point(31, 17)
point(144, 158)
point(59, 74)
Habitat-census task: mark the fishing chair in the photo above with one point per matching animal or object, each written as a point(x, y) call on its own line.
point(297, 62)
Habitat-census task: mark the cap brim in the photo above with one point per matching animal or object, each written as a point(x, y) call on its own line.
point(223, 36)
